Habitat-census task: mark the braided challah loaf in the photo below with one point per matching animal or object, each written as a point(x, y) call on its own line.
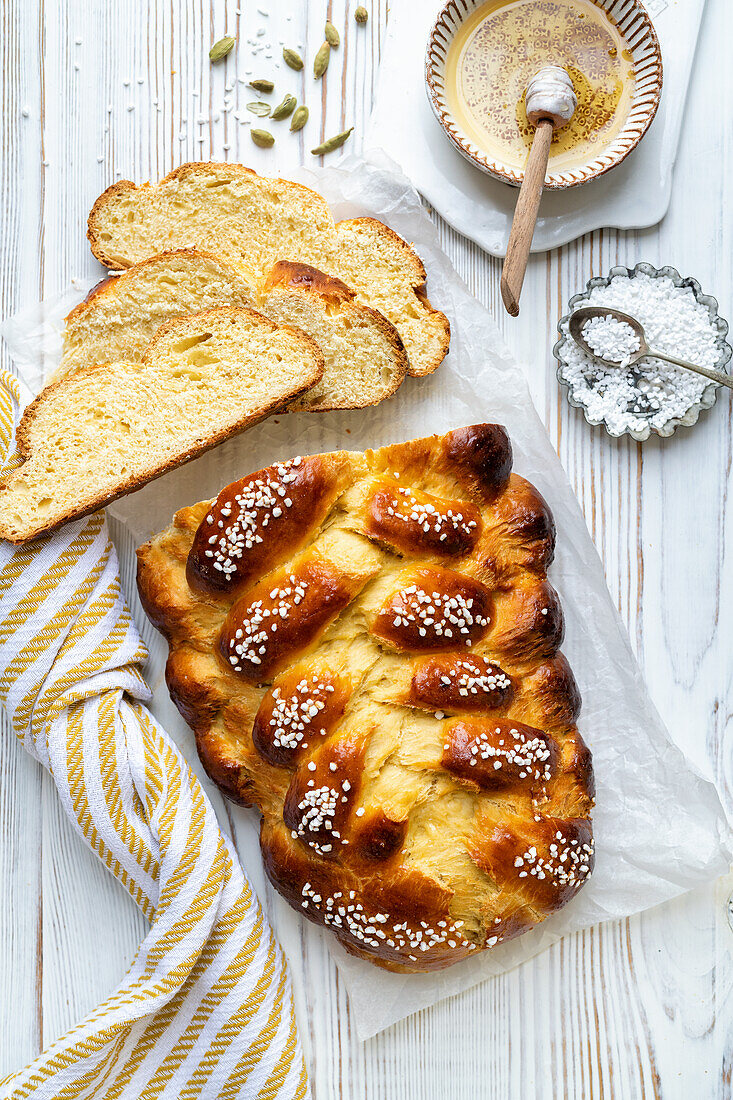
point(366, 646)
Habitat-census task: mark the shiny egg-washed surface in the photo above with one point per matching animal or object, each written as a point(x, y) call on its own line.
point(367, 648)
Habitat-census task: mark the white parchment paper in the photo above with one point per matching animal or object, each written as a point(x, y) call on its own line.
point(659, 825)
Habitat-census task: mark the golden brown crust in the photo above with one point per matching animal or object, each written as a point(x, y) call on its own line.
point(414, 522)
point(496, 754)
point(433, 610)
point(297, 276)
point(550, 692)
point(529, 625)
point(482, 456)
point(274, 510)
point(417, 912)
point(354, 742)
point(545, 861)
point(285, 615)
point(461, 683)
point(523, 533)
point(303, 705)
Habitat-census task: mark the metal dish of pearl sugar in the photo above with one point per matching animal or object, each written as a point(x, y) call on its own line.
point(633, 394)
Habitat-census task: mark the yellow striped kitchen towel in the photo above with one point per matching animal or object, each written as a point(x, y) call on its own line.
point(206, 1008)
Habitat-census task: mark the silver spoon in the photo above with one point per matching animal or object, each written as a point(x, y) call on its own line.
point(579, 318)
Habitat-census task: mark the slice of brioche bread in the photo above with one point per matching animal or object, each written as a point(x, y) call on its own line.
point(364, 359)
point(121, 315)
point(106, 431)
point(250, 222)
point(388, 275)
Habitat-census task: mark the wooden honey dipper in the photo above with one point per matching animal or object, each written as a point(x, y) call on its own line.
point(550, 102)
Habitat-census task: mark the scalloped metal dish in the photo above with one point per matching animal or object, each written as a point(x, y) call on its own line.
point(709, 393)
point(633, 22)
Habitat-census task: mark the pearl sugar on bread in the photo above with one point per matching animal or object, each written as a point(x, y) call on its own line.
point(366, 646)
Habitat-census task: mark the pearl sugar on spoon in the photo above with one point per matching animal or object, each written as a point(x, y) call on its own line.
point(631, 353)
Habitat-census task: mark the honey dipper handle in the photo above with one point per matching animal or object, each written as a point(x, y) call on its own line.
point(525, 216)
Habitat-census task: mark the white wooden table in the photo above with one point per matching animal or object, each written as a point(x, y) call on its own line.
point(93, 91)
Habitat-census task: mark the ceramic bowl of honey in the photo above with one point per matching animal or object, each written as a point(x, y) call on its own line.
point(482, 53)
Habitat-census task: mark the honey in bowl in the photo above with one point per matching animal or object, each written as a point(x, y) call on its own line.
point(497, 51)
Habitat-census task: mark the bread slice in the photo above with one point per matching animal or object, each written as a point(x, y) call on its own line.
point(107, 430)
point(364, 359)
point(388, 275)
point(121, 315)
point(251, 222)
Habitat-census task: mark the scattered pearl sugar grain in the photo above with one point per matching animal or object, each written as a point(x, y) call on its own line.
point(651, 393)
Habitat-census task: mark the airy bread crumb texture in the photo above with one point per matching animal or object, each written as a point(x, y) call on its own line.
point(364, 359)
point(107, 430)
point(250, 222)
point(122, 315)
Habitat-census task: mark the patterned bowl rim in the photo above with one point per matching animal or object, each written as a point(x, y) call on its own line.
point(709, 394)
point(634, 24)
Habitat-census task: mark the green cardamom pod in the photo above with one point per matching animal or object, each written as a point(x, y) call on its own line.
point(361, 14)
point(299, 119)
point(285, 109)
point(262, 85)
point(332, 35)
point(320, 62)
point(221, 48)
point(331, 143)
point(293, 59)
point(259, 108)
point(263, 138)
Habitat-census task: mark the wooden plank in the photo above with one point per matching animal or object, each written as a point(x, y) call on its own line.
point(21, 781)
